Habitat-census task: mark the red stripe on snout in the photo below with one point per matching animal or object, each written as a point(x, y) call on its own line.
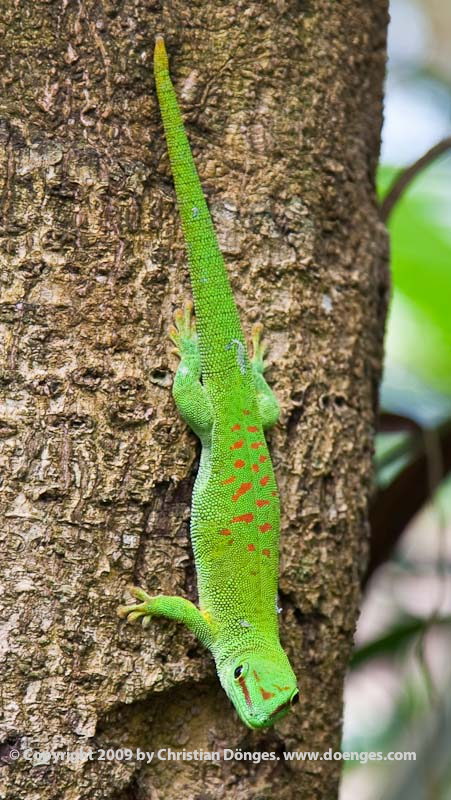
point(245, 690)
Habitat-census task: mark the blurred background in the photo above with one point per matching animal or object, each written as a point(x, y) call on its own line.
point(398, 694)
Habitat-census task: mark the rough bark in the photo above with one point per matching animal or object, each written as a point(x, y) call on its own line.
point(283, 108)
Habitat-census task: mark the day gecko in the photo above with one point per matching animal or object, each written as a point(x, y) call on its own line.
point(224, 398)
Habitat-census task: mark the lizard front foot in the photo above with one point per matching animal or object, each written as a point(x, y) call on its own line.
point(176, 608)
point(143, 610)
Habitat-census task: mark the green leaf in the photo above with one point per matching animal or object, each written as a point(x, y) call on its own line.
point(393, 451)
point(396, 639)
point(418, 342)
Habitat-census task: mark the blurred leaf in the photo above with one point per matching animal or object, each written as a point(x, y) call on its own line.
point(395, 503)
point(428, 776)
point(403, 392)
point(392, 452)
point(419, 327)
point(395, 639)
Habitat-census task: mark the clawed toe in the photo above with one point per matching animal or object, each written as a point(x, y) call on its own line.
point(132, 613)
point(137, 610)
point(184, 327)
point(259, 348)
point(140, 594)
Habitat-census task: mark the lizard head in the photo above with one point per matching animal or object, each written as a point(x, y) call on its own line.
point(261, 686)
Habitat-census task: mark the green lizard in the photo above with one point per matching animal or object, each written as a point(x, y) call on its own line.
point(224, 398)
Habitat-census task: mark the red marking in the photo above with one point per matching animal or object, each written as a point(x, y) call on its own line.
point(228, 480)
point(225, 532)
point(256, 675)
point(243, 518)
point(237, 445)
point(245, 487)
point(255, 467)
point(236, 427)
point(280, 708)
point(262, 459)
point(266, 695)
point(264, 481)
point(245, 690)
point(262, 503)
point(246, 411)
point(252, 428)
point(274, 494)
point(266, 553)
point(264, 528)
point(256, 445)
point(282, 688)
point(239, 463)
point(251, 547)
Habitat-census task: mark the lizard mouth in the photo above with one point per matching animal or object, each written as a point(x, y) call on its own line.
point(280, 708)
point(255, 724)
point(259, 723)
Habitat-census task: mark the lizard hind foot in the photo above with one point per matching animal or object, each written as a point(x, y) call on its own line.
point(259, 348)
point(183, 332)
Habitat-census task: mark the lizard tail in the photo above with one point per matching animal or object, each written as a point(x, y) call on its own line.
point(218, 323)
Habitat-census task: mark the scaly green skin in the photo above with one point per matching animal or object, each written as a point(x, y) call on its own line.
point(224, 398)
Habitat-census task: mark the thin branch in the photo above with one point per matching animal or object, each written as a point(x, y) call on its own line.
point(395, 505)
point(392, 423)
point(402, 181)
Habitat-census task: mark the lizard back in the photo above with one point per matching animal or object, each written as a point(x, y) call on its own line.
point(236, 519)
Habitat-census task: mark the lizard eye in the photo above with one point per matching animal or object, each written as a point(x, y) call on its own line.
point(240, 671)
point(294, 698)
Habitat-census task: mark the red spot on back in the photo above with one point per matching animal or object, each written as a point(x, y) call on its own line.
point(266, 552)
point(239, 463)
point(274, 494)
point(261, 503)
point(266, 695)
point(255, 467)
point(251, 547)
point(262, 459)
point(228, 480)
point(266, 527)
point(252, 428)
point(236, 427)
point(225, 532)
point(246, 411)
point(237, 445)
point(245, 487)
point(243, 518)
point(256, 445)
point(264, 481)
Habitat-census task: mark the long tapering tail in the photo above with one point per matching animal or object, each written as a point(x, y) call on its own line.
point(218, 324)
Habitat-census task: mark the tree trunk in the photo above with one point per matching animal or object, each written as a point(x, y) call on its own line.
point(282, 102)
